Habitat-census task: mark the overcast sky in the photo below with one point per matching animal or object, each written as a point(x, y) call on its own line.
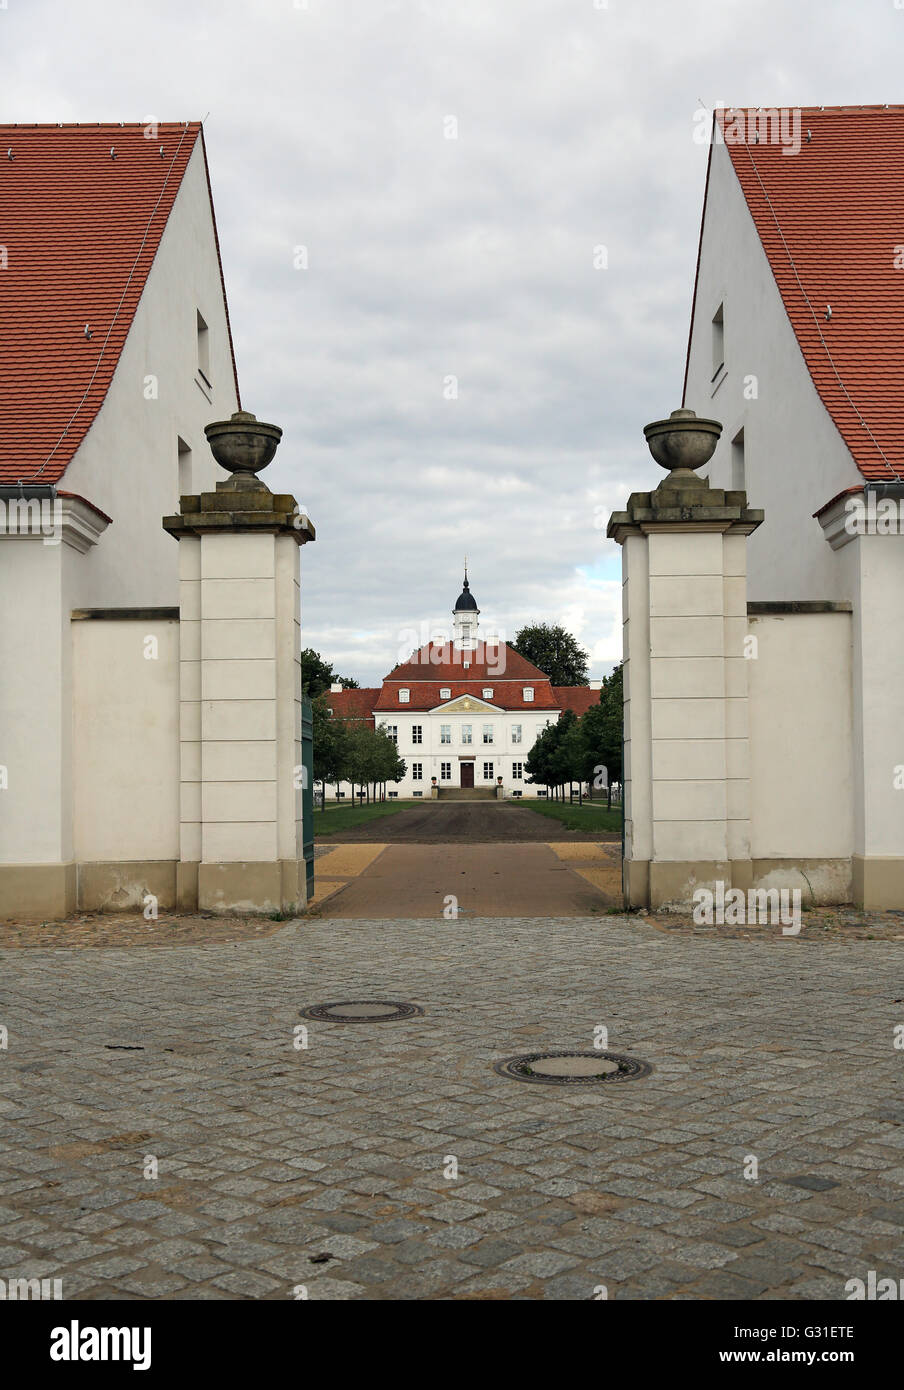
point(434, 261)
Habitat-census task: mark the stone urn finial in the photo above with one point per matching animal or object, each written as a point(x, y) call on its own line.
point(243, 445)
point(682, 443)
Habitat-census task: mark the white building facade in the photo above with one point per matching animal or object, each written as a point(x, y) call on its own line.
point(463, 714)
point(102, 430)
point(785, 646)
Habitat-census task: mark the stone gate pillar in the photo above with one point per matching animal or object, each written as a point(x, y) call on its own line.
point(240, 682)
point(684, 572)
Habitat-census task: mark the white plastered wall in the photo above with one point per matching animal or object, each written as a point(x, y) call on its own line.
point(125, 740)
point(800, 736)
point(795, 459)
point(36, 582)
point(874, 565)
point(128, 462)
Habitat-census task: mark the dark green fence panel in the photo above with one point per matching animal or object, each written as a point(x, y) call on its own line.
point(307, 792)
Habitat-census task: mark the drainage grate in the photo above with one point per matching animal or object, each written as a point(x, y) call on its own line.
point(572, 1068)
point(362, 1011)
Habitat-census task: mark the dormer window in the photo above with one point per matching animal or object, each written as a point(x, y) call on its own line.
point(403, 697)
point(488, 692)
point(528, 693)
point(445, 693)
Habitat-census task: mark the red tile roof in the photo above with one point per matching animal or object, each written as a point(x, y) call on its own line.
point(425, 695)
point(362, 704)
point(579, 698)
point(490, 661)
point(353, 704)
point(81, 230)
point(830, 219)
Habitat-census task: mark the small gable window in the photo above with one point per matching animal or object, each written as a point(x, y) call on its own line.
point(403, 697)
point(203, 348)
point(718, 340)
point(528, 692)
point(445, 693)
point(488, 692)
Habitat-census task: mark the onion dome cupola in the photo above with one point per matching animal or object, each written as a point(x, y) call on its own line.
point(465, 616)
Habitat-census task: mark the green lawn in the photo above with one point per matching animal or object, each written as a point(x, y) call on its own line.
point(335, 819)
point(575, 817)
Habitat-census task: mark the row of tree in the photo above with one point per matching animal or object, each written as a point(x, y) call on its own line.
point(581, 749)
point(347, 750)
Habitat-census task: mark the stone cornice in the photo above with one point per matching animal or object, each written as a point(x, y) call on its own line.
point(691, 506)
point(229, 509)
point(61, 519)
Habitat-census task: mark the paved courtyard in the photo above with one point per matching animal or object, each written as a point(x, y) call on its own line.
point(325, 1171)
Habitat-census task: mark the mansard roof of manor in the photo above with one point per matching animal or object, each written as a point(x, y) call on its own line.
point(443, 662)
point(81, 229)
point(425, 695)
point(831, 221)
point(353, 704)
point(361, 704)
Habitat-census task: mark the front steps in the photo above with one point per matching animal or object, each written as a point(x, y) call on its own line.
point(467, 794)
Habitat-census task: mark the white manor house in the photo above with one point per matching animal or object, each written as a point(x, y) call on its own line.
point(466, 712)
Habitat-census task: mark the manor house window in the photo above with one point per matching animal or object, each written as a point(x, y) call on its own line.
point(488, 772)
point(417, 772)
point(445, 733)
point(516, 733)
point(488, 733)
point(417, 733)
point(466, 733)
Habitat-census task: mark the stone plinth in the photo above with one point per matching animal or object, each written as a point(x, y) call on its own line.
point(687, 817)
point(240, 697)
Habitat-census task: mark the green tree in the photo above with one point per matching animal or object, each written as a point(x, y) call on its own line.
point(389, 766)
point(541, 760)
point(602, 729)
point(371, 758)
point(317, 675)
point(554, 651)
point(330, 739)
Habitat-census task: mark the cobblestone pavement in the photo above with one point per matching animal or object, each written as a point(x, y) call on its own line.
point(132, 929)
point(325, 1167)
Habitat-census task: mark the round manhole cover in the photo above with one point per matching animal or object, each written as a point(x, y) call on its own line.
point(572, 1068)
point(362, 1011)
